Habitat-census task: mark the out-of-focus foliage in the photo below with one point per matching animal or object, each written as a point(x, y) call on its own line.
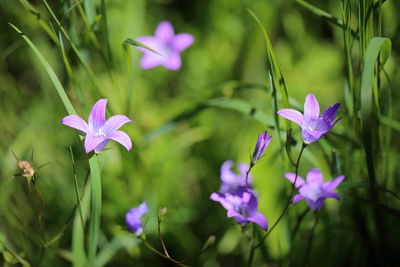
point(186, 124)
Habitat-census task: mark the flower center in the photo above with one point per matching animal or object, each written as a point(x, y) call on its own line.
point(100, 133)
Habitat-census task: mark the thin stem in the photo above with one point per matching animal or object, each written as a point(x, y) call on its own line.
point(299, 221)
point(289, 200)
point(248, 173)
point(160, 253)
point(78, 197)
point(252, 247)
point(310, 240)
point(162, 239)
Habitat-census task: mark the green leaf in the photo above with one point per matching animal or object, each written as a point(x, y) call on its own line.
point(130, 41)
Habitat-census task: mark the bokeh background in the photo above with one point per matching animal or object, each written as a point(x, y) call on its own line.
point(186, 123)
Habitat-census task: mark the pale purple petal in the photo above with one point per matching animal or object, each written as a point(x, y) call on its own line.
point(101, 146)
point(173, 62)
point(164, 31)
point(331, 195)
point(315, 176)
point(91, 141)
point(97, 115)
point(310, 136)
point(122, 138)
point(297, 198)
point(150, 61)
point(133, 218)
point(114, 123)
point(329, 114)
point(75, 122)
point(232, 213)
point(331, 185)
point(259, 219)
point(150, 42)
point(292, 115)
point(182, 41)
point(315, 205)
point(311, 107)
point(292, 176)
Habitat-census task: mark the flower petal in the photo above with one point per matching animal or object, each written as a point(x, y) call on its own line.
point(297, 198)
point(91, 141)
point(182, 41)
point(331, 185)
point(150, 61)
point(292, 176)
point(149, 41)
point(164, 31)
point(310, 136)
point(101, 146)
point(114, 123)
point(292, 115)
point(315, 205)
point(329, 114)
point(259, 219)
point(97, 115)
point(75, 122)
point(122, 138)
point(173, 62)
point(311, 107)
point(314, 176)
point(331, 195)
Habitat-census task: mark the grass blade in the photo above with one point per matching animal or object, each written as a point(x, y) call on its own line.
point(95, 208)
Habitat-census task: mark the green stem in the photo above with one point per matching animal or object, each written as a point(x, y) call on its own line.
point(288, 202)
point(310, 240)
point(95, 208)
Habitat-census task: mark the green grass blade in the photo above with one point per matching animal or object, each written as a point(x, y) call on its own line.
point(130, 41)
point(324, 15)
point(50, 71)
point(95, 208)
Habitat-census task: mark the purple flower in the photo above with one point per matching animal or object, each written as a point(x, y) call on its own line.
point(133, 218)
point(167, 45)
point(262, 144)
point(314, 190)
point(230, 181)
point(312, 124)
point(242, 205)
point(99, 131)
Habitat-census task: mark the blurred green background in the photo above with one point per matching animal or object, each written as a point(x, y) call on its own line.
point(180, 137)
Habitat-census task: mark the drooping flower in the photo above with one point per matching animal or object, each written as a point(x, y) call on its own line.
point(262, 144)
point(167, 45)
point(134, 218)
point(314, 190)
point(313, 125)
point(98, 131)
point(241, 205)
point(230, 180)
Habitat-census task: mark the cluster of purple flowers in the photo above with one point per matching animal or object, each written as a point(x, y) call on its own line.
point(238, 198)
point(236, 194)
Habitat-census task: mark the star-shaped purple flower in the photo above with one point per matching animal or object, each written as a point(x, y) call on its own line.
point(312, 124)
point(99, 131)
point(262, 144)
point(230, 181)
point(241, 205)
point(314, 190)
point(134, 218)
point(167, 45)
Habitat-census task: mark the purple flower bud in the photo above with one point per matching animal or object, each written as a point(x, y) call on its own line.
point(314, 190)
point(313, 125)
point(262, 144)
point(133, 218)
point(241, 205)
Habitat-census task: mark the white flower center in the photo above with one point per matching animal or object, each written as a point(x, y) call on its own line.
point(100, 133)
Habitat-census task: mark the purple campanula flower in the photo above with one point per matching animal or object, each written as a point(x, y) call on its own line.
point(133, 218)
point(230, 181)
point(242, 205)
point(262, 144)
point(98, 131)
point(314, 190)
point(313, 125)
point(167, 45)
